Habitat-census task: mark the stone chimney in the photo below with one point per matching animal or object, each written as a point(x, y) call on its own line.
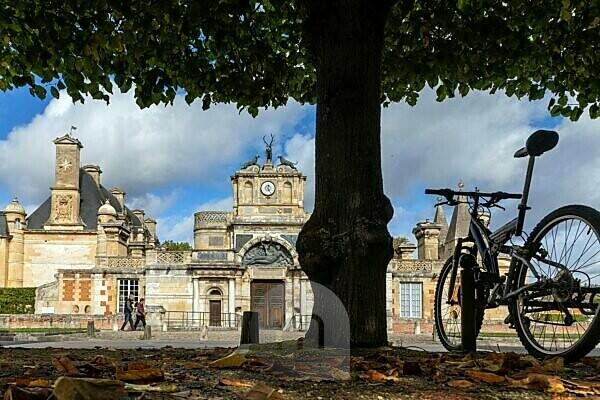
point(120, 196)
point(65, 197)
point(140, 214)
point(403, 249)
point(427, 234)
point(94, 171)
point(151, 225)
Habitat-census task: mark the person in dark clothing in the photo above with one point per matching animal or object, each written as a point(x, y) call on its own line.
point(128, 311)
point(140, 314)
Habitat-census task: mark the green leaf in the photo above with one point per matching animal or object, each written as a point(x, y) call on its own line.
point(54, 92)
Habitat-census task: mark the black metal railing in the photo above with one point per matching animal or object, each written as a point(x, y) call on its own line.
point(190, 320)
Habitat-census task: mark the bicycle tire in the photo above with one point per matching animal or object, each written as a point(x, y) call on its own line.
point(591, 337)
point(439, 302)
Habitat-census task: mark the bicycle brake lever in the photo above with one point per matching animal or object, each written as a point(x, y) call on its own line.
point(500, 207)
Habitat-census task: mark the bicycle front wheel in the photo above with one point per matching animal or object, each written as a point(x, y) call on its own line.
point(557, 312)
point(448, 309)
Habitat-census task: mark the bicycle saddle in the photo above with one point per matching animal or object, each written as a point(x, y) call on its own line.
point(538, 143)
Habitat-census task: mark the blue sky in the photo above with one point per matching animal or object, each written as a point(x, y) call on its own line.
point(173, 161)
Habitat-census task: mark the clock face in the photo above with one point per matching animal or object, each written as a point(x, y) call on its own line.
point(267, 188)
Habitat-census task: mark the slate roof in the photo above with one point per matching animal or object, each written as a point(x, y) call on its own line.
point(3, 225)
point(460, 221)
point(91, 198)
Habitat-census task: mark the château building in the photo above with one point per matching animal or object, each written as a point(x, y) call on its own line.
point(85, 252)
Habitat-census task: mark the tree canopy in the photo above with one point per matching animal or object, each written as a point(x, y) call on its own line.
point(254, 53)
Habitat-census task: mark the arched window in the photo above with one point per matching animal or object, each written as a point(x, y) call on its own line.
point(248, 192)
point(18, 223)
point(287, 193)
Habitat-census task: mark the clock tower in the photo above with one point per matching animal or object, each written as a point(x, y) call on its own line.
point(268, 191)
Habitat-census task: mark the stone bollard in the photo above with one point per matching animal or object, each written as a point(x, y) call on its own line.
point(249, 328)
point(91, 330)
point(147, 332)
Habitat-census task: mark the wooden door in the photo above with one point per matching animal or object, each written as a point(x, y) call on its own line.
point(215, 313)
point(268, 299)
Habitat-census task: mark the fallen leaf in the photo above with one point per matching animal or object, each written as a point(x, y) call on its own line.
point(137, 365)
point(169, 388)
point(23, 381)
point(65, 365)
point(141, 375)
point(460, 384)
point(67, 388)
point(19, 393)
point(260, 391)
point(553, 365)
point(486, 377)
point(375, 376)
point(102, 360)
point(40, 383)
point(547, 383)
point(233, 360)
point(234, 383)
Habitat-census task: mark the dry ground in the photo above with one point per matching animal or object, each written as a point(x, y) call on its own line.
point(286, 371)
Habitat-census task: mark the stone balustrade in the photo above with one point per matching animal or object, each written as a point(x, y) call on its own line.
point(122, 262)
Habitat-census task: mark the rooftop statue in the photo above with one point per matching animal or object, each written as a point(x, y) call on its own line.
point(269, 149)
point(252, 161)
point(285, 161)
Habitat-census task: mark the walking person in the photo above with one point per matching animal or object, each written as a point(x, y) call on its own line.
point(140, 314)
point(128, 311)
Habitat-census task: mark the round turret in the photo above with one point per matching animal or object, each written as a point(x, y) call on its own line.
point(106, 213)
point(14, 207)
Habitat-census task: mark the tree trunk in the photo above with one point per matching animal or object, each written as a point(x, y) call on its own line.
point(345, 245)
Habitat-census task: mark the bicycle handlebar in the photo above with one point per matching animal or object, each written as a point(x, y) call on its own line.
point(494, 196)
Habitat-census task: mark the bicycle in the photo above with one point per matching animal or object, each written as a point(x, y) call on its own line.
point(552, 287)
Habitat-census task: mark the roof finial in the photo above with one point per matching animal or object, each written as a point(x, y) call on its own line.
point(461, 184)
point(73, 128)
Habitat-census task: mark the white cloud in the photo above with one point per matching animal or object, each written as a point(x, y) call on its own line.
point(301, 149)
point(138, 150)
point(429, 145)
point(474, 139)
point(181, 227)
point(224, 204)
point(152, 204)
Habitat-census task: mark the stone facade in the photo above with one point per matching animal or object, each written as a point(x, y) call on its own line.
point(86, 252)
point(60, 246)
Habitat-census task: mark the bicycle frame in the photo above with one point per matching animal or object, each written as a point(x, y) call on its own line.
point(480, 236)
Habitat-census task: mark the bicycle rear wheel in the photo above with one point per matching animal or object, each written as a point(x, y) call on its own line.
point(561, 316)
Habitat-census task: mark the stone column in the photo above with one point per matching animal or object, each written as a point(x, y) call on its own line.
point(303, 307)
point(389, 301)
point(231, 301)
point(195, 300)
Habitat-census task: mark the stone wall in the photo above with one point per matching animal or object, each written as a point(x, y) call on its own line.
point(54, 321)
point(47, 252)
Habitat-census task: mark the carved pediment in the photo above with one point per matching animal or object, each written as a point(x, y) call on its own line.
point(268, 253)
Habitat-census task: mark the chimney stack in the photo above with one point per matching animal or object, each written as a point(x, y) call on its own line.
point(94, 171)
point(120, 196)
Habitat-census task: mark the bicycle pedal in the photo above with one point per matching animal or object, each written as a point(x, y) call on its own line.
point(510, 321)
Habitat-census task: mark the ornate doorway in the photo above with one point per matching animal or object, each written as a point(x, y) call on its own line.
point(268, 299)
